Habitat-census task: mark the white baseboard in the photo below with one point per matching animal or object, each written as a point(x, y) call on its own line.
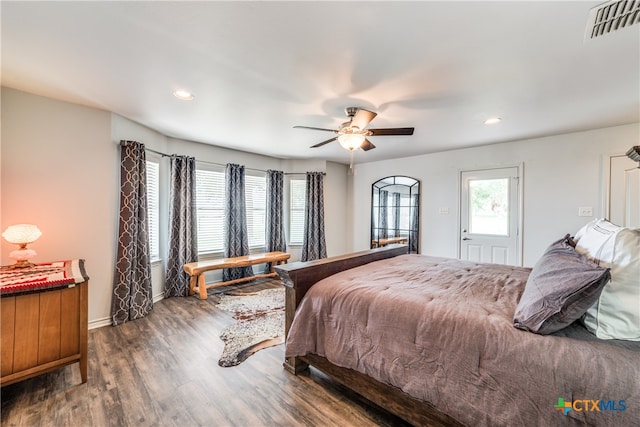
point(158, 297)
point(106, 321)
point(99, 323)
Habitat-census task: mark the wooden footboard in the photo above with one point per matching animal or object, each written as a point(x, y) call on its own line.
point(298, 278)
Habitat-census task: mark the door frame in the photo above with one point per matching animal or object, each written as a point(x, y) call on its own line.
point(605, 206)
point(520, 220)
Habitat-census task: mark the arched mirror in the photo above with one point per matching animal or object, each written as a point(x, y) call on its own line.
point(395, 212)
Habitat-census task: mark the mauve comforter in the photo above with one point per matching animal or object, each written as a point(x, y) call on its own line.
point(442, 331)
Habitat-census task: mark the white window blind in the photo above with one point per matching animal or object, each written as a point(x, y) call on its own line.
point(210, 210)
point(297, 191)
point(256, 199)
point(153, 208)
point(210, 201)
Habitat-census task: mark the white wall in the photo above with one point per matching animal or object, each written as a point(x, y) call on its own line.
point(59, 169)
point(561, 173)
point(336, 222)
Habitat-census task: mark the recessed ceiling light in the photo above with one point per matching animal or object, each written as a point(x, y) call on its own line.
point(492, 121)
point(183, 94)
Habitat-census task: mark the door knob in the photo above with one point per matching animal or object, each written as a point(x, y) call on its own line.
point(466, 238)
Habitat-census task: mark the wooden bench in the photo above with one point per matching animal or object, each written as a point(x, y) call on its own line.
point(388, 241)
point(197, 269)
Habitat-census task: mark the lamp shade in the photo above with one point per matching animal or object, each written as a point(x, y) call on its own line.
point(20, 234)
point(351, 141)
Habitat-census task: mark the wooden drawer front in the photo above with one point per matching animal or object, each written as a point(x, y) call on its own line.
point(49, 327)
point(25, 352)
point(70, 320)
point(8, 313)
point(40, 328)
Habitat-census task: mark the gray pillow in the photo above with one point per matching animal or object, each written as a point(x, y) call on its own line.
point(561, 287)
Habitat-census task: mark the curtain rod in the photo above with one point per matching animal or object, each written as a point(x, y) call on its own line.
point(253, 169)
point(218, 164)
point(158, 152)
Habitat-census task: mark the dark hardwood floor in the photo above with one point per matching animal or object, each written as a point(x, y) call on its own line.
point(163, 371)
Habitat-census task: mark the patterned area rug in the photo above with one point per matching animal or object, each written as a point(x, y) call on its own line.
point(259, 324)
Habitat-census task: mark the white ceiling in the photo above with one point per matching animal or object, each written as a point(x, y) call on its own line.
point(259, 68)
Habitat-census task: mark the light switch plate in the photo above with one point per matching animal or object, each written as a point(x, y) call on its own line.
point(444, 211)
point(585, 211)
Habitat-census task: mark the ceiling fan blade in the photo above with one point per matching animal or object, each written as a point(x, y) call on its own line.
point(309, 127)
point(367, 145)
point(392, 131)
point(320, 144)
point(363, 118)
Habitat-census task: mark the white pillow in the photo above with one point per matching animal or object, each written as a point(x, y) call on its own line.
point(616, 313)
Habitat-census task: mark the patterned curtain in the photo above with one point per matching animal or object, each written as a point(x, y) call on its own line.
point(396, 214)
point(384, 213)
point(413, 234)
point(183, 239)
point(132, 293)
point(235, 217)
point(275, 223)
point(314, 245)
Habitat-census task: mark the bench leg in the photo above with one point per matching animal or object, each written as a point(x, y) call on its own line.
point(192, 285)
point(202, 286)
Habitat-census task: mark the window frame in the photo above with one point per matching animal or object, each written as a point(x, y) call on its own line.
point(153, 207)
point(296, 211)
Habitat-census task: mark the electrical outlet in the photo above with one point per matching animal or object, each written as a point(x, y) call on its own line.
point(585, 211)
point(444, 211)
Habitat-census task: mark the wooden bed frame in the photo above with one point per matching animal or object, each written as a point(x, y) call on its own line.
point(298, 278)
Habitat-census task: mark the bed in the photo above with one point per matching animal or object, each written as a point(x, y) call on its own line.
point(433, 341)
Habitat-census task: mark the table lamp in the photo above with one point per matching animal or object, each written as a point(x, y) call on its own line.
point(22, 235)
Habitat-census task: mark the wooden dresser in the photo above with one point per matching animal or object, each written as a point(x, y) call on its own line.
point(44, 321)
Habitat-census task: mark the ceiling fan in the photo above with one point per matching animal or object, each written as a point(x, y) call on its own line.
point(353, 133)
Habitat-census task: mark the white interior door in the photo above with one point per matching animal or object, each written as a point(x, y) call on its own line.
point(490, 216)
point(624, 192)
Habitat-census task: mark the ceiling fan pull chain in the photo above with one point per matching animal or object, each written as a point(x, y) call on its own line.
point(351, 162)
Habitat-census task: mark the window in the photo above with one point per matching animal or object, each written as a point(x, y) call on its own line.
point(489, 206)
point(210, 201)
point(210, 210)
point(153, 208)
point(255, 195)
point(297, 192)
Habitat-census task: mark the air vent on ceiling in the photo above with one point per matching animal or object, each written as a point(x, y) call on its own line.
point(634, 154)
point(612, 16)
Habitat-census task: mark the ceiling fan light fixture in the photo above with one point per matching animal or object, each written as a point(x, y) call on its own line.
point(353, 134)
point(351, 141)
